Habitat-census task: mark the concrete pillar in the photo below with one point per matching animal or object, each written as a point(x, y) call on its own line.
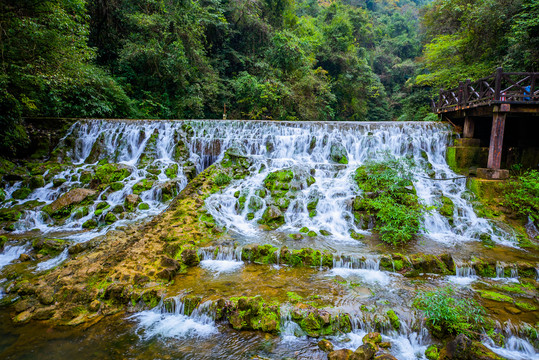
point(469, 125)
point(496, 140)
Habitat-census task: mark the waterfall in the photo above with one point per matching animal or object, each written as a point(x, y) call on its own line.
point(148, 148)
point(169, 320)
point(221, 260)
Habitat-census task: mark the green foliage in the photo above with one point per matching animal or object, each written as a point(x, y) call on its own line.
point(392, 198)
point(222, 179)
point(468, 39)
point(521, 193)
point(447, 314)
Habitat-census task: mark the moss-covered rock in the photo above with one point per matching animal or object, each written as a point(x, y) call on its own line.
point(50, 247)
point(110, 218)
point(255, 314)
point(338, 153)
point(447, 208)
point(261, 254)
point(320, 322)
point(62, 206)
point(143, 206)
point(36, 181)
point(142, 186)
point(306, 257)
point(10, 214)
point(109, 173)
point(89, 224)
point(492, 295)
point(393, 319)
point(21, 194)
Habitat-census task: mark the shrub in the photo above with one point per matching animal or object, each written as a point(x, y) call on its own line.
point(448, 315)
point(522, 194)
point(392, 199)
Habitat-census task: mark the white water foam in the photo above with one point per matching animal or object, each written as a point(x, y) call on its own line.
point(367, 270)
point(54, 262)
point(515, 348)
point(10, 253)
point(161, 323)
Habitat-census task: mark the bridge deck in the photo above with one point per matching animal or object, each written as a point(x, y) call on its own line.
point(501, 88)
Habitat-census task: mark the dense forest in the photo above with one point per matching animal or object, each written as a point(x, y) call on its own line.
point(262, 59)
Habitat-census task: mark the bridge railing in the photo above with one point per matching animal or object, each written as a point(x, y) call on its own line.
point(498, 88)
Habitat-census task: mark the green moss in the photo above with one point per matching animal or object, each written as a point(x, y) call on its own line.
point(116, 186)
point(143, 206)
point(142, 186)
point(10, 214)
point(432, 352)
point(492, 295)
point(261, 254)
point(394, 319)
point(525, 306)
point(21, 194)
point(89, 224)
point(110, 218)
point(304, 230)
point(172, 171)
point(311, 233)
point(111, 173)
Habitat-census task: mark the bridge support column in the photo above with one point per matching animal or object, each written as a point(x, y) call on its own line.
point(493, 172)
point(496, 141)
point(469, 124)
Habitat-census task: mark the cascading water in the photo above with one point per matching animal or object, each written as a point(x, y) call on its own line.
point(221, 260)
point(148, 148)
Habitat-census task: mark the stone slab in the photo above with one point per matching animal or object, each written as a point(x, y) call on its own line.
point(468, 142)
point(492, 174)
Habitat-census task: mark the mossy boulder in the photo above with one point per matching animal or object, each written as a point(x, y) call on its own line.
point(320, 322)
point(110, 218)
point(3, 241)
point(464, 348)
point(109, 173)
point(172, 171)
point(338, 153)
point(36, 181)
point(131, 201)
point(89, 224)
point(261, 254)
point(306, 257)
point(10, 214)
point(255, 314)
point(143, 206)
point(62, 206)
point(394, 319)
point(142, 186)
point(50, 247)
point(272, 217)
point(21, 194)
point(447, 208)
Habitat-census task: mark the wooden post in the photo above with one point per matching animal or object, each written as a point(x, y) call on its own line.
point(496, 140)
point(469, 125)
point(466, 92)
point(460, 99)
point(498, 84)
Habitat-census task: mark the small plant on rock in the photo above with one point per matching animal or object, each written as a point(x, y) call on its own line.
point(448, 315)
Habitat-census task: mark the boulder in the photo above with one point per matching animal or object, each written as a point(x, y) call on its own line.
point(338, 153)
point(62, 206)
point(131, 202)
point(343, 354)
point(463, 348)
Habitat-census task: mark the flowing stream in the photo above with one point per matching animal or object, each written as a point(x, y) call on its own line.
point(151, 150)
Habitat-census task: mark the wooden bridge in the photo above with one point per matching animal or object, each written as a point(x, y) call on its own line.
point(500, 96)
